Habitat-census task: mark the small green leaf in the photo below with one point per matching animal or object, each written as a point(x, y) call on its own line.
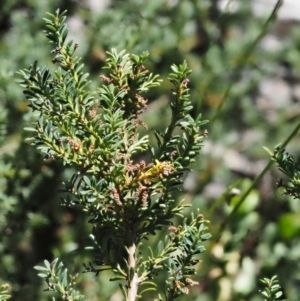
point(47, 264)
point(131, 273)
point(29, 129)
point(205, 236)
point(117, 278)
point(39, 268)
point(123, 290)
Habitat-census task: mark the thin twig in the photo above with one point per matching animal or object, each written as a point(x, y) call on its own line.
point(244, 58)
point(256, 180)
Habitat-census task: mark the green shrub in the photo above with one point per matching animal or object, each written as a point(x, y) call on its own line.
point(126, 198)
point(259, 228)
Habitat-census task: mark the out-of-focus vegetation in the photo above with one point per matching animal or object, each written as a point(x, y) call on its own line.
point(246, 73)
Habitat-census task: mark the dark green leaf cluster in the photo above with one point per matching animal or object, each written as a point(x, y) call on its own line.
point(272, 290)
point(290, 166)
point(97, 133)
point(131, 79)
point(177, 256)
point(182, 140)
point(59, 281)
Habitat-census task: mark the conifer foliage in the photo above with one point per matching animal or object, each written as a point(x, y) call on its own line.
point(123, 183)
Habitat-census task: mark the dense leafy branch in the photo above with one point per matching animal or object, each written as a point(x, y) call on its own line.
point(59, 281)
point(272, 290)
point(176, 255)
point(126, 198)
point(290, 166)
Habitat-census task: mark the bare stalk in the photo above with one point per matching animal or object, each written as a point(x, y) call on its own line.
point(133, 281)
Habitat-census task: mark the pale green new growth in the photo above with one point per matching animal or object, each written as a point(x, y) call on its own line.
point(4, 292)
point(272, 291)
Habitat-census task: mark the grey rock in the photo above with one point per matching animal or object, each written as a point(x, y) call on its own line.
point(276, 92)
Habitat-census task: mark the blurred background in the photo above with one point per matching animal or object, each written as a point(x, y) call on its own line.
point(245, 81)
